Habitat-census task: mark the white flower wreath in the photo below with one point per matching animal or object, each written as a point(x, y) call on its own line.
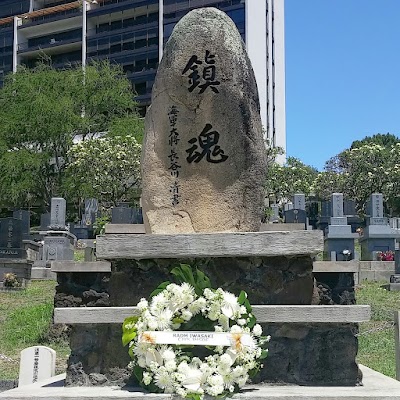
point(176, 368)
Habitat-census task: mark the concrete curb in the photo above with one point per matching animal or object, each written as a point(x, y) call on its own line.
point(376, 386)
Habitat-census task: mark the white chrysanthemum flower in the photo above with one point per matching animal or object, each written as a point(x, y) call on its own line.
point(181, 392)
point(236, 329)
point(215, 380)
point(143, 304)
point(243, 310)
point(167, 353)
point(230, 305)
point(198, 305)
point(238, 371)
point(218, 328)
point(152, 323)
point(257, 330)
point(163, 379)
point(209, 294)
point(215, 390)
point(241, 321)
point(226, 360)
point(170, 365)
point(163, 319)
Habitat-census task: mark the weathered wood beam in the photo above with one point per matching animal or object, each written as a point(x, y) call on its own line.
point(245, 244)
point(269, 313)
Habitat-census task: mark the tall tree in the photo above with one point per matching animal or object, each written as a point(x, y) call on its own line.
point(43, 111)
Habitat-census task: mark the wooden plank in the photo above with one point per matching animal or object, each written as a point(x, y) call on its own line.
point(275, 313)
point(124, 229)
point(87, 266)
point(243, 244)
point(336, 266)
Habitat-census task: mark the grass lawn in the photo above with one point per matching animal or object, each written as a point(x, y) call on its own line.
point(376, 340)
point(25, 318)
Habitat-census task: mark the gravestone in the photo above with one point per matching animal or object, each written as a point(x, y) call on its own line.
point(57, 214)
point(57, 248)
point(44, 221)
point(91, 212)
point(203, 160)
point(377, 236)
point(25, 217)
point(275, 213)
point(299, 201)
point(339, 239)
point(121, 215)
point(11, 238)
point(37, 364)
point(297, 213)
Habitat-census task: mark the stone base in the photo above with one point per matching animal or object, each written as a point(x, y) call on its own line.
point(299, 353)
point(21, 268)
point(375, 386)
point(392, 287)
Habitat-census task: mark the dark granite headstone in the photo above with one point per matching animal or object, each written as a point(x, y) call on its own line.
point(122, 215)
point(295, 216)
point(25, 217)
point(11, 238)
point(349, 207)
point(137, 216)
point(45, 221)
point(91, 211)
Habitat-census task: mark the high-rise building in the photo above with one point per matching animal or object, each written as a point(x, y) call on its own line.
point(133, 32)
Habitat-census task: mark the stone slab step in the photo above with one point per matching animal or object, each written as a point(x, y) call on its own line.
point(265, 313)
point(86, 266)
point(239, 244)
point(376, 387)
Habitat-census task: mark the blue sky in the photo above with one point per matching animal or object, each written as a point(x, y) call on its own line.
point(342, 74)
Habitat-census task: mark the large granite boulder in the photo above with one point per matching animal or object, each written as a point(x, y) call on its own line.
point(203, 160)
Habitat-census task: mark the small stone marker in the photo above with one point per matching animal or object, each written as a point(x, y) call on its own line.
point(57, 213)
point(299, 201)
point(37, 363)
point(203, 160)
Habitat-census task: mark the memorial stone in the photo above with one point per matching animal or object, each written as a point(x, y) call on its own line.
point(57, 213)
point(25, 217)
point(91, 211)
point(203, 155)
point(37, 364)
point(339, 239)
point(57, 248)
point(299, 201)
point(11, 238)
point(275, 213)
point(121, 215)
point(44, 221)
point(377, 236)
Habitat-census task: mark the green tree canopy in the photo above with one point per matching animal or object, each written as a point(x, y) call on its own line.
point(43, 111)
point(283, 181)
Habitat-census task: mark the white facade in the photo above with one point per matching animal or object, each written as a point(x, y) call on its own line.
point(265, 42)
